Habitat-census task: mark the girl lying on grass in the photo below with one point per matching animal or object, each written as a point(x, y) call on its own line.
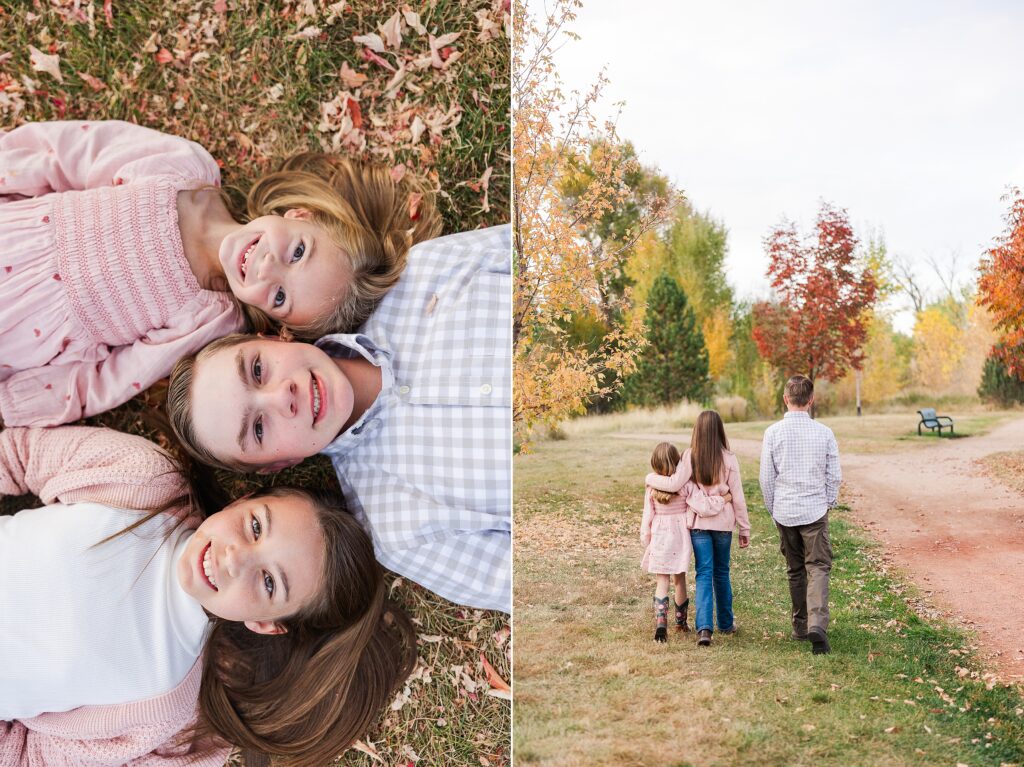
point(665, 534)
point(713, 471)
point(120, 255)
point(125, 611)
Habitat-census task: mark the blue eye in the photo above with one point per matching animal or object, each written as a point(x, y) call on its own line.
point(257, 528)
point(257, 370)
point(268, 583)
point(278, 298)
point(299, 253)
point(257, 430)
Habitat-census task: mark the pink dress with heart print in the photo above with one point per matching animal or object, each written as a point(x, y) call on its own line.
point(97, 299)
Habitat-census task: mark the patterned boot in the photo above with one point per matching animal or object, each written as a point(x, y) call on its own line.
point(661, 619)
point(681, 609)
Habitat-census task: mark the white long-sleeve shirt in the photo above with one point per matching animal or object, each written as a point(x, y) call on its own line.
point(800, 471)
point(91, 625)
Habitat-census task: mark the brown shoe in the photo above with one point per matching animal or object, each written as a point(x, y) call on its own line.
point(799, 637)
point(703, 637)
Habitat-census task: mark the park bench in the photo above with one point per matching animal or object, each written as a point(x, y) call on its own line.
point(933, 422)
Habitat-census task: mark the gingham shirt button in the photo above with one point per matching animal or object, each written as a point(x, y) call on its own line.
point(403, 390)
point(485, 389)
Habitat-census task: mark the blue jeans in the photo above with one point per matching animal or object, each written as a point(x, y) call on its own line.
point(711, 550)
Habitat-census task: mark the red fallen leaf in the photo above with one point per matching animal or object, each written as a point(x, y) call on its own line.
point(108, 11)
point(355, 113)
point(371, 56)
point(59, 104)
point(220, 6)
point(93, 82)
point(493, 678)
point(164, 56)
point(446, 52)
point(414, 205)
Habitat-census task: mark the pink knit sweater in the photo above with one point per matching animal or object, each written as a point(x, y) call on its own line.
point(734, 513)
point(79, 463)
point(97, 299)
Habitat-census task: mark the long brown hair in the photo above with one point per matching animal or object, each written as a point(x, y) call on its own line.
point(664, 461)
point(706, 446)
point(374, 219)
point(308, 694)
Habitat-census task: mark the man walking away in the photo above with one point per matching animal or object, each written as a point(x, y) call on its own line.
point(800, 478)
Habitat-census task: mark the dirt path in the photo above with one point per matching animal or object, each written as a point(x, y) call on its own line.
point(957, 534)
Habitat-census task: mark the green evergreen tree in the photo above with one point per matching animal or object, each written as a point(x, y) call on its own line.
point(674, 365)
point(998, 386)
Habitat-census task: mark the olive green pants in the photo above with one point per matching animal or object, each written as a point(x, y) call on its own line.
point(808, 554)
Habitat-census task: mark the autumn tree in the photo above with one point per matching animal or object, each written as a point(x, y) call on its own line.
point(674, 364)
point(1001, 287)
point(560, 268)
point(816, 325)
point(692, 249)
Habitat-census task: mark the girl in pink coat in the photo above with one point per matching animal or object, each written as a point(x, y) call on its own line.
point(119, 255)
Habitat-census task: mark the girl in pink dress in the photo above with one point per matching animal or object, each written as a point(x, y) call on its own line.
point(664, 531)
point(118, 255)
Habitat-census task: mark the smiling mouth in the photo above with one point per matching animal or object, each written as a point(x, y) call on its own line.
point(206, 562)
point(243, 261)
point(316, 398)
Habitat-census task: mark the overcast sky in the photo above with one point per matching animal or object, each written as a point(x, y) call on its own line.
point(908, 114)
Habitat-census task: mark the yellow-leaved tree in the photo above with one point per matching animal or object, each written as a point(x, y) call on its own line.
point(561, 267)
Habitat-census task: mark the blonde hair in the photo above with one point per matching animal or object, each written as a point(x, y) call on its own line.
point(179, 403)
point(664, 461)
point(364, 211)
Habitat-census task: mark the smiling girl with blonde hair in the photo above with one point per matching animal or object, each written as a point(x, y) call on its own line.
point(120, 255)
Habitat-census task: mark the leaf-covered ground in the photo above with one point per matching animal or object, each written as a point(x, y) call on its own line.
point(418, 86)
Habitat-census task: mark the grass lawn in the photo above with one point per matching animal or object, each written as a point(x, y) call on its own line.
point(254, 82)
point(593, 688)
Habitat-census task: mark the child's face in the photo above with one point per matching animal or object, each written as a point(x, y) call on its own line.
point(287, 266)
point(269, 403)
point(258, 561)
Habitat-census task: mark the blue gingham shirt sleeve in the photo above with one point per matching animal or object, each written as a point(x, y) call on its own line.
point(833, 473)
point(800, 471)
point(766, 476)
point(427, 468)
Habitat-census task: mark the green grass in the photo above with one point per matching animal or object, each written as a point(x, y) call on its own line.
point(242, 85)
point(592, 688)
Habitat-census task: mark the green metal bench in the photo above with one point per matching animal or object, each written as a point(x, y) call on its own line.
point(933, 422)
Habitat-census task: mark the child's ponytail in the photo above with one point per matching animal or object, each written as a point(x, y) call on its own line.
point(308, 694)
point(369, 215)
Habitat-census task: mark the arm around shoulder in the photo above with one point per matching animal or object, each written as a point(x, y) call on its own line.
point(86, 463)
point(674, 483)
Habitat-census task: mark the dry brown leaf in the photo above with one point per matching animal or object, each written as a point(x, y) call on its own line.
point(93, 82)
point(308, 33)
point(391, 31)
point(493, 678)
point(164, 56)
point(413, 20)
point(371, 41)
point(368, 749)
point(350, 77)
point(42, 62)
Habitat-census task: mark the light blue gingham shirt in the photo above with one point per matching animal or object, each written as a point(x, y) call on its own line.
point(427, 468)
point(800, 472)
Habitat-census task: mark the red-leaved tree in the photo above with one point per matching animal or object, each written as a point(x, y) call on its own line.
point(817, 322)
point(1001, 287)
